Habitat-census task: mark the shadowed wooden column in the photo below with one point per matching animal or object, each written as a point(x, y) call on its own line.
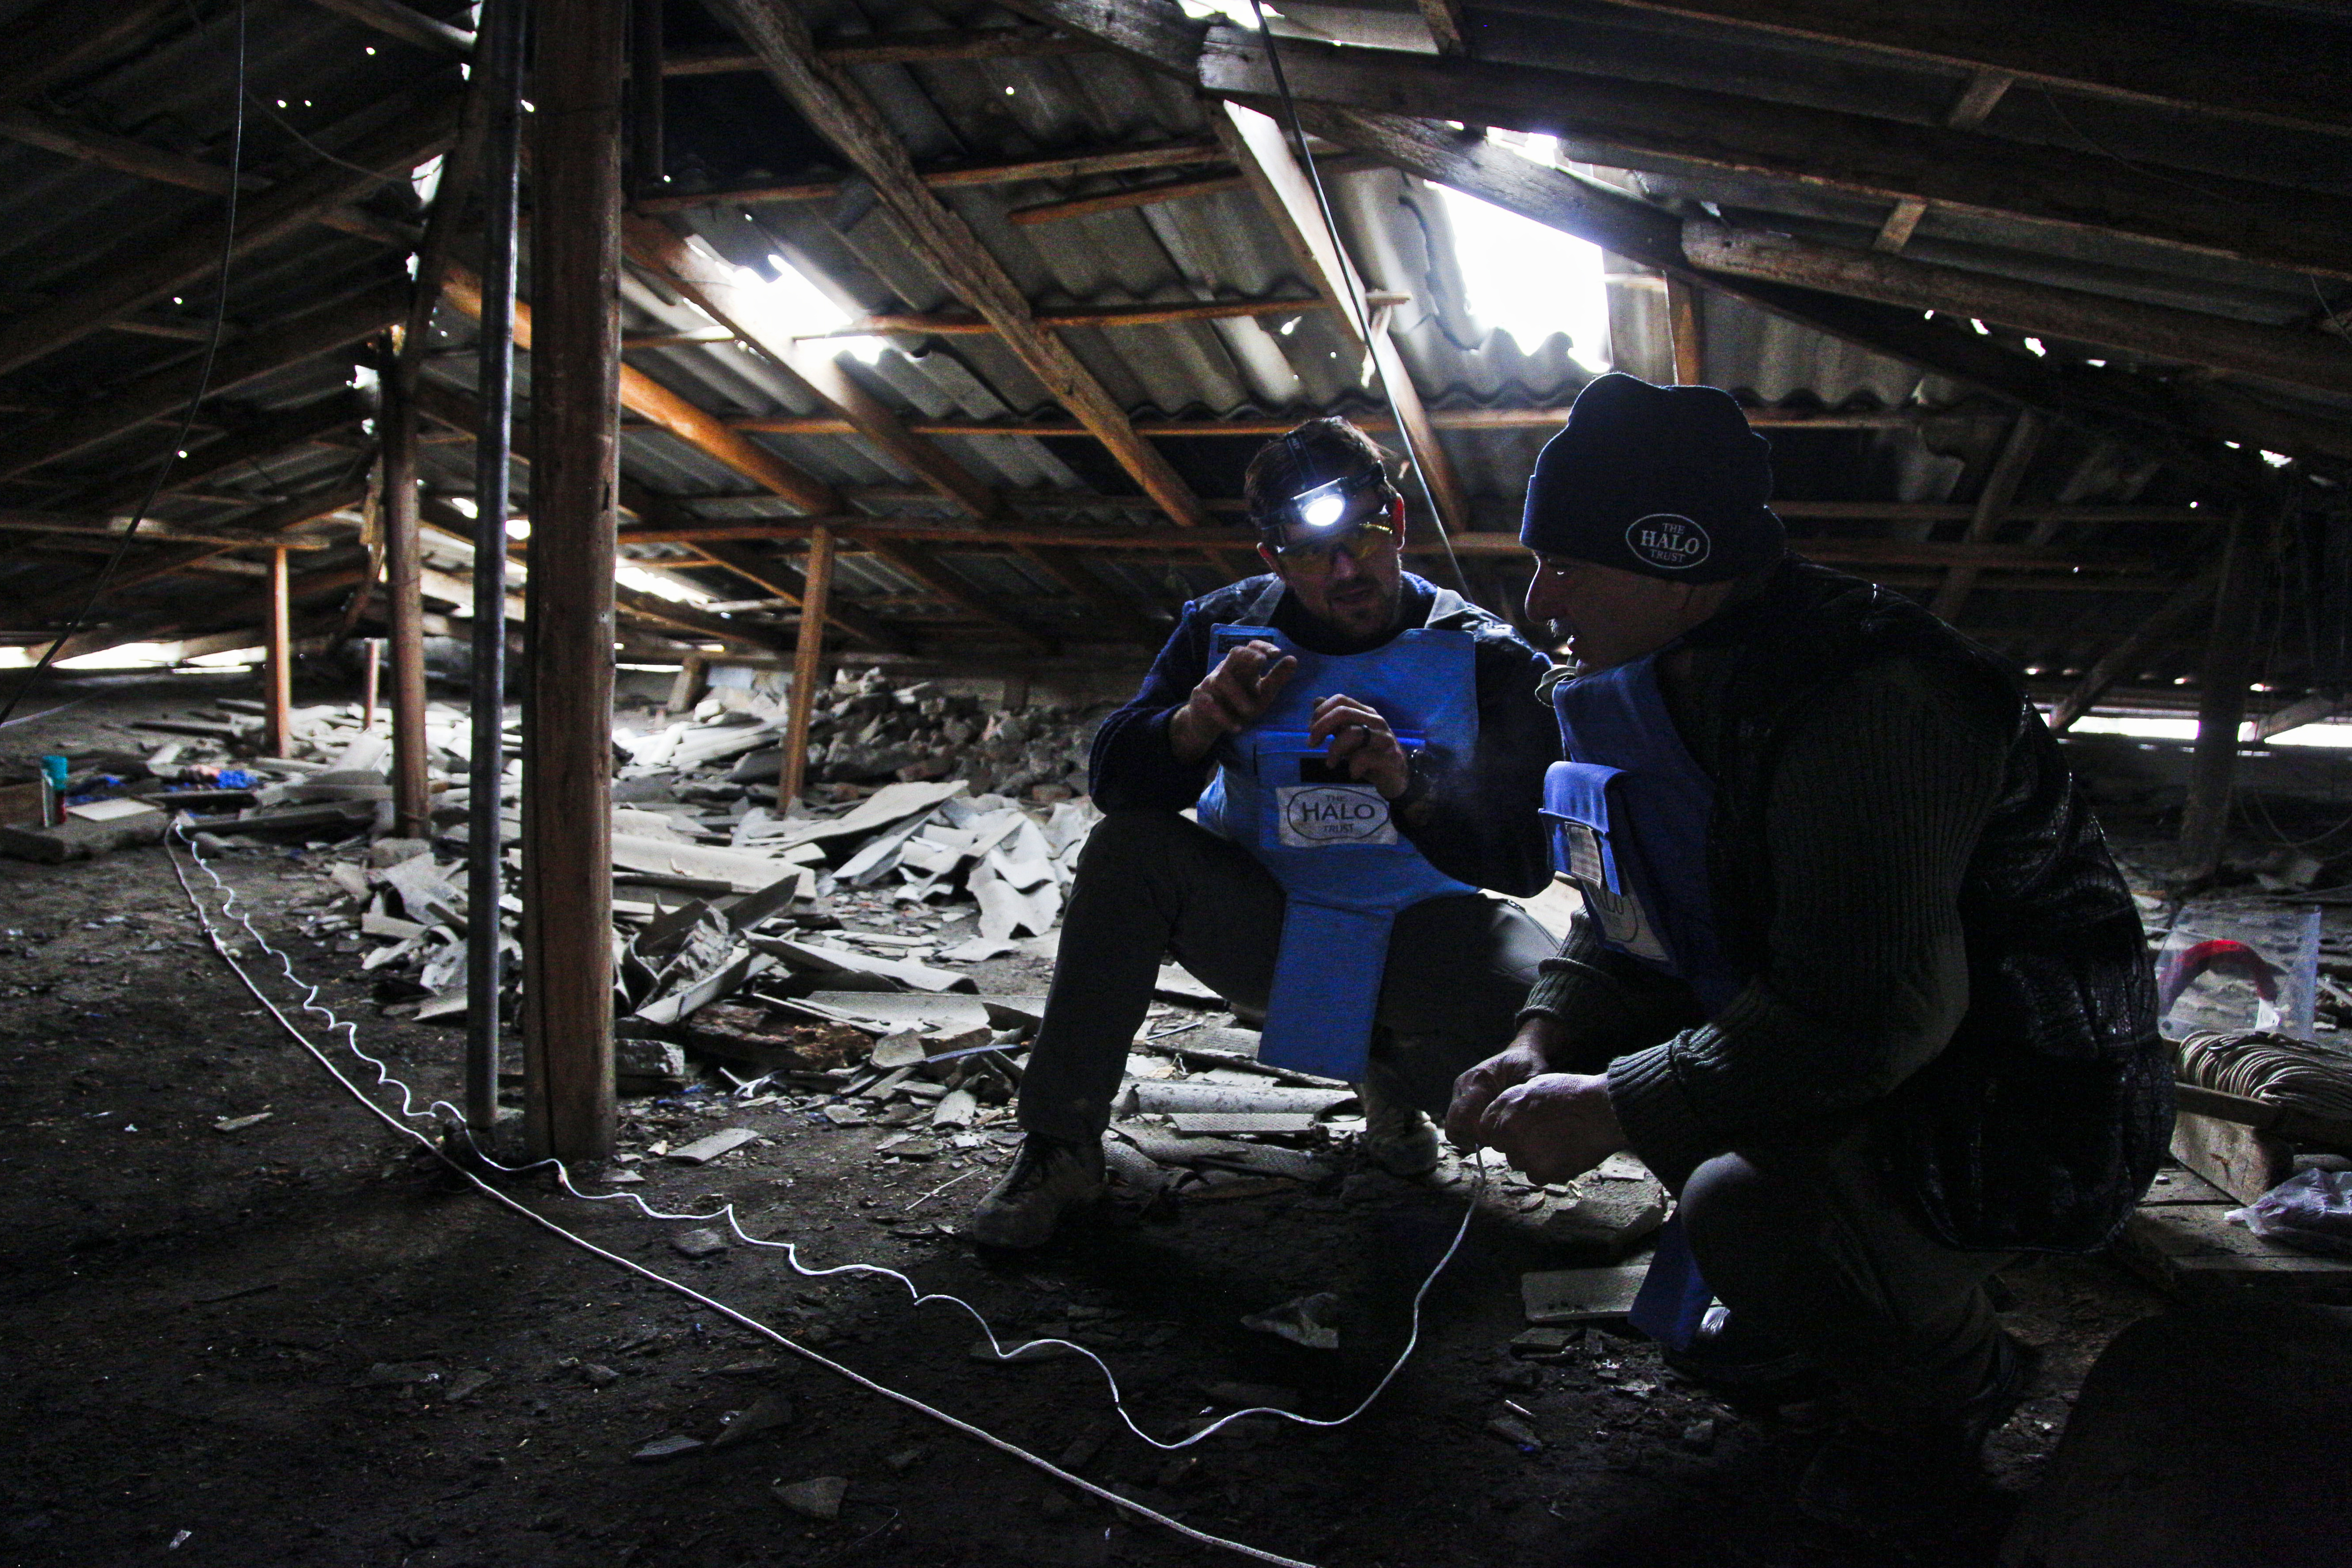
point(2221, 676)
point(567, 822)
point(808, 659)
point(403, 597)
point(279, 736)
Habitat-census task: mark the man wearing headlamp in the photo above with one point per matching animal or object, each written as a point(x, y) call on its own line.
point(1364, 751)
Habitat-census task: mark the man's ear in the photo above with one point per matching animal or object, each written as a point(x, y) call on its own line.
point(1273, 561)
point(1396, 517)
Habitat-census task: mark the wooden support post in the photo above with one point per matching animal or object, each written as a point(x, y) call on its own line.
point(2228, 665)
point(1992, 505)
point(404, 594)
point(1687, 327)
point(279, 737)
point(808, 664)
point(2118, 661)
point(373, 673)
point(567, 858)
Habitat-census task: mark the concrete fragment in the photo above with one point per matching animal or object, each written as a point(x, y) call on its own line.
point(698, 1243)
point(702, 1151)
point(666, 1447)
point(817, 1498)
point(1310, 1321)
point(1580, 1295)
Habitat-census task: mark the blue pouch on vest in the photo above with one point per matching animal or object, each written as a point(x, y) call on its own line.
point(1344, 868)
point(1630, 814)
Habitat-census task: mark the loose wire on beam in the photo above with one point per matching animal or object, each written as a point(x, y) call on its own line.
point(474, 1161)
point(187, 418)
point(1356, 305)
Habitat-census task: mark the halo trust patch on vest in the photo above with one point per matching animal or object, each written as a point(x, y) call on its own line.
point(1325, 816)
point(1668, 539)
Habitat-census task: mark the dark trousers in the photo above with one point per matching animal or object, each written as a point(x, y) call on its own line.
point(1149, 883)
point(1815, 1246)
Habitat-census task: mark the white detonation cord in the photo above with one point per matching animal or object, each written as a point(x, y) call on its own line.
point(451, 1117)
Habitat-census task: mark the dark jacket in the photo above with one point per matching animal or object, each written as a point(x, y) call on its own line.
point(1991, 1021)
point(1481, 826)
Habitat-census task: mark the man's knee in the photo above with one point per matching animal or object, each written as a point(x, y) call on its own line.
point(1126, 841)
point(1731, 1202)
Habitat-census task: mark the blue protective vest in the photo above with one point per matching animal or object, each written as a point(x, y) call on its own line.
point(1344, 868)
point(1630, 811)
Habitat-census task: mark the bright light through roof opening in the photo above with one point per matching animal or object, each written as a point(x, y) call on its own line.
point(661, 587)
point(795, 307)
point(1528, 280)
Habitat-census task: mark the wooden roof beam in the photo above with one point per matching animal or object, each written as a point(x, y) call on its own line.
point(1287, 193)
point(1184, 154)
point(643, 395)
point(2299, 356)
point(147, 271)
point(716, 288)
point(164, 393)
point(1636, 125)
point(266, 437)
point(838, 110)
point(2247, 63)
point(461, 412)
point(71, 36)
point(789, 583)
point(910, 45)
point(410, 25)
point(259, 526)
point(1992, 503)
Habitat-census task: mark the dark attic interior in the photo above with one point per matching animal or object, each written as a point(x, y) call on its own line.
point(657, 907)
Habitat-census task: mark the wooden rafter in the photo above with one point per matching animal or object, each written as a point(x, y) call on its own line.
point(256, 529)
point(460, 413)
point(153, 270)
point(1284, 189)
point(163, 393)
point(1992, 503)
point(239, 450)
point(410, 25)
point(716, 288)
point(71, 36)
point(1073, 165)
point(2295, 355)
point(1634, 124)
point(835, 106)
point(910, 46)
point(2253, 63)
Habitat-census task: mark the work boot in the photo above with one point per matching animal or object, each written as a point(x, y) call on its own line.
point(1048, 1179)
point(1397, 1137)
point(1730, 1356)
point(1883, 1482)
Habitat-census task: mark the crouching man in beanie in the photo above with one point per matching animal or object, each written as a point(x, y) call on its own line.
point(1363, 752)
point(1855, 974)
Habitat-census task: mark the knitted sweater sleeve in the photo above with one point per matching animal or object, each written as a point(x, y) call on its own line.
point(1876, 805)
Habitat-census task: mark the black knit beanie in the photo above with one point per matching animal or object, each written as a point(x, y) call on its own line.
point(1668, 481)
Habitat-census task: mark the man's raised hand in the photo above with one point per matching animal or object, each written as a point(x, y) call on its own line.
point(1359, 736)
point(1230, 697)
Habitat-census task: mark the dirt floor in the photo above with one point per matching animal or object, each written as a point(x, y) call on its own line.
point(299, 1341)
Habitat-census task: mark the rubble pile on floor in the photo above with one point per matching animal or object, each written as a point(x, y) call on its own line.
point(874, 954)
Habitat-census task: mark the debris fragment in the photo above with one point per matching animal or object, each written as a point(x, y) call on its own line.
point(700, 1242)
point(816, 1497)
point(702, 1151)
point(1310, 1321)
point(667, 1448)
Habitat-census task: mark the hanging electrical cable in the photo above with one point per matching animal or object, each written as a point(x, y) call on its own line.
point(172, 454)
point(1356, 303)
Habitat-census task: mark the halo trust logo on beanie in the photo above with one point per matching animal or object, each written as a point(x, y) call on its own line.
point(1664, 481)
point(1668, 540)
